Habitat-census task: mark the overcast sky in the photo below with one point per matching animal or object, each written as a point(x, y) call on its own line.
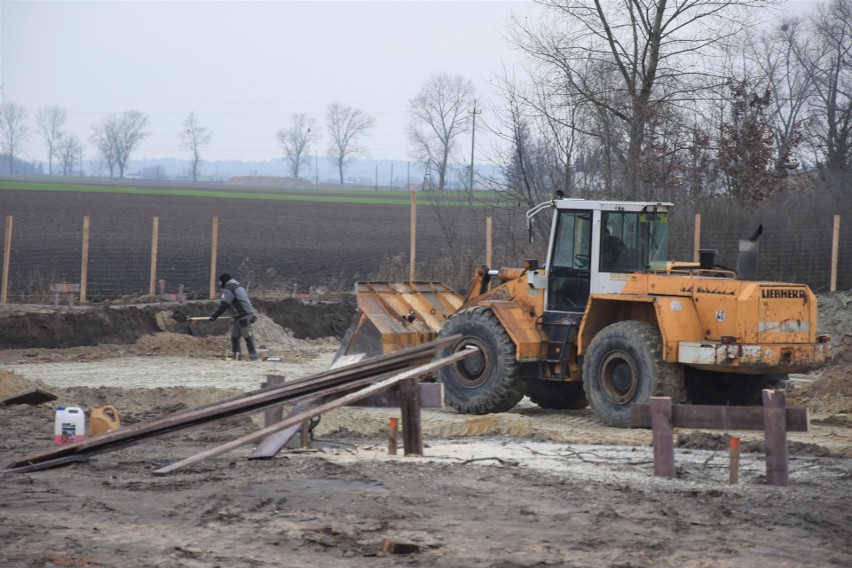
point(244, 67)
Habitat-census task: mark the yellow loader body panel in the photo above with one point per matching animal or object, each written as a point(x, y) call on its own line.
point(718, 324)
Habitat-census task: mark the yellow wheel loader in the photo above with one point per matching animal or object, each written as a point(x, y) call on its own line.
point(607, 321)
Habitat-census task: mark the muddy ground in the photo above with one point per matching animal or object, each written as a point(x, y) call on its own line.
point(525, 488)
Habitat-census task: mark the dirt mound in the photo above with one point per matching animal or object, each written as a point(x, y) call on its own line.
point(832, 391)
point(11, 384)
point(835, 314)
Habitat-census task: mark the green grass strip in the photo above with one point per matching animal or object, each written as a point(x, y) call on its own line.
point(321, 196)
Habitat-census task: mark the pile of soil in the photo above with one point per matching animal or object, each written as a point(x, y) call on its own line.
point(831, 391)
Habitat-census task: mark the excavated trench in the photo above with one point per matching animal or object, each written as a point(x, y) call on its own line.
point(28, 327)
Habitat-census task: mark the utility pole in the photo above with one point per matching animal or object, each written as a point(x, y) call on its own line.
point(316, 170)
point(474, 112)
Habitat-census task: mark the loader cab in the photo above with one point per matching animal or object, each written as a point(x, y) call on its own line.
point(595, 245)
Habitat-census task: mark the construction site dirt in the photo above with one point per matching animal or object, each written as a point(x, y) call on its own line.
point(529, 487)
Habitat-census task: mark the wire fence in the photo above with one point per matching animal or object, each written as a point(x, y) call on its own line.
point(801, 255)
point(117, 262)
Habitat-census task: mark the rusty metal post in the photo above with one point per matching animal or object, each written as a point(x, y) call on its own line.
point(661, 432)
point(412, 432)
point(274, 414)
point(775, 435)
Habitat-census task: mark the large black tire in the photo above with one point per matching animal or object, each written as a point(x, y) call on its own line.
point(557, 395)
point(489, 381)
point(624, 365)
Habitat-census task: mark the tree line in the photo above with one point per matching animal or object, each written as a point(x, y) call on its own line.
point(438, 117)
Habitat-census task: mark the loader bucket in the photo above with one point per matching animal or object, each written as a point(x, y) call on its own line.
point(394, 315)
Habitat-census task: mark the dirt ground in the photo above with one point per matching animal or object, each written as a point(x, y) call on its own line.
point(527, 488)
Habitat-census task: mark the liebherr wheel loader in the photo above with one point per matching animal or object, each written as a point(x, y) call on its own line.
point(607, 321)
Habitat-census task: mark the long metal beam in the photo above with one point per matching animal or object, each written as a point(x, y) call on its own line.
point(334, 381)
point(299, 418)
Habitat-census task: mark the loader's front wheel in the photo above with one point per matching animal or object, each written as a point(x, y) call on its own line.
point(488, 381)
point(624, 365)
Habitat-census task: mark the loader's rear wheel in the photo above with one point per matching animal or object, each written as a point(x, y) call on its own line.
point(488, 381)
point(624, 365)
point(557, 395)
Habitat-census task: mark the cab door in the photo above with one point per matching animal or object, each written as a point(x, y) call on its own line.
point(570, 262)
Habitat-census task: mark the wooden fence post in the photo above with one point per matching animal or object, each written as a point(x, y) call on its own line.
point(213, 248)
point(696, 239)
point(7, 252)
point(661, 426)
point(835, 249)
point(413, 235)
point(488, 242)
point(84, 269)
point(775, 436)
point(155, 236)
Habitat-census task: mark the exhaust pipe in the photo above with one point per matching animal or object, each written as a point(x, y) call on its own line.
point(747, 259)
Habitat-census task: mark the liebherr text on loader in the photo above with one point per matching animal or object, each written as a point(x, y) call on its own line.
point(607, 321)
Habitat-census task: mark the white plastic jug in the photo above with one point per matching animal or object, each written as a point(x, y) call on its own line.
point(70, 425)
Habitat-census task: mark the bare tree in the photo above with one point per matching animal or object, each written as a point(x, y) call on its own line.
point(346, 125)
point(297, 140)
point(790, 86)
point(104, 137)
point(117, 136)
point(652, 48)
point(14, 129)
point(192, 137)
point(439, 115)
point(69, 150)
point(49, 122)
point(826, 55)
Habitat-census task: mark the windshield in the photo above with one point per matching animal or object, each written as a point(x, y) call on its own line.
point(630, 242)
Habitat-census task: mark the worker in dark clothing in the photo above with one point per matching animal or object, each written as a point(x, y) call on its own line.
point(611, 249)
point(234, 297)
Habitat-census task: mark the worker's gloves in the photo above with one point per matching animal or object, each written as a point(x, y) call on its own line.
point(214, 318)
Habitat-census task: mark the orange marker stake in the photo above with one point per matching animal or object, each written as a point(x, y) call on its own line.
point(734, 467)
point(393, 428)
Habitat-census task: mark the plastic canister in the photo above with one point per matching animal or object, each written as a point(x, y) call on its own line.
point(103, 419)
point(70, 425)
